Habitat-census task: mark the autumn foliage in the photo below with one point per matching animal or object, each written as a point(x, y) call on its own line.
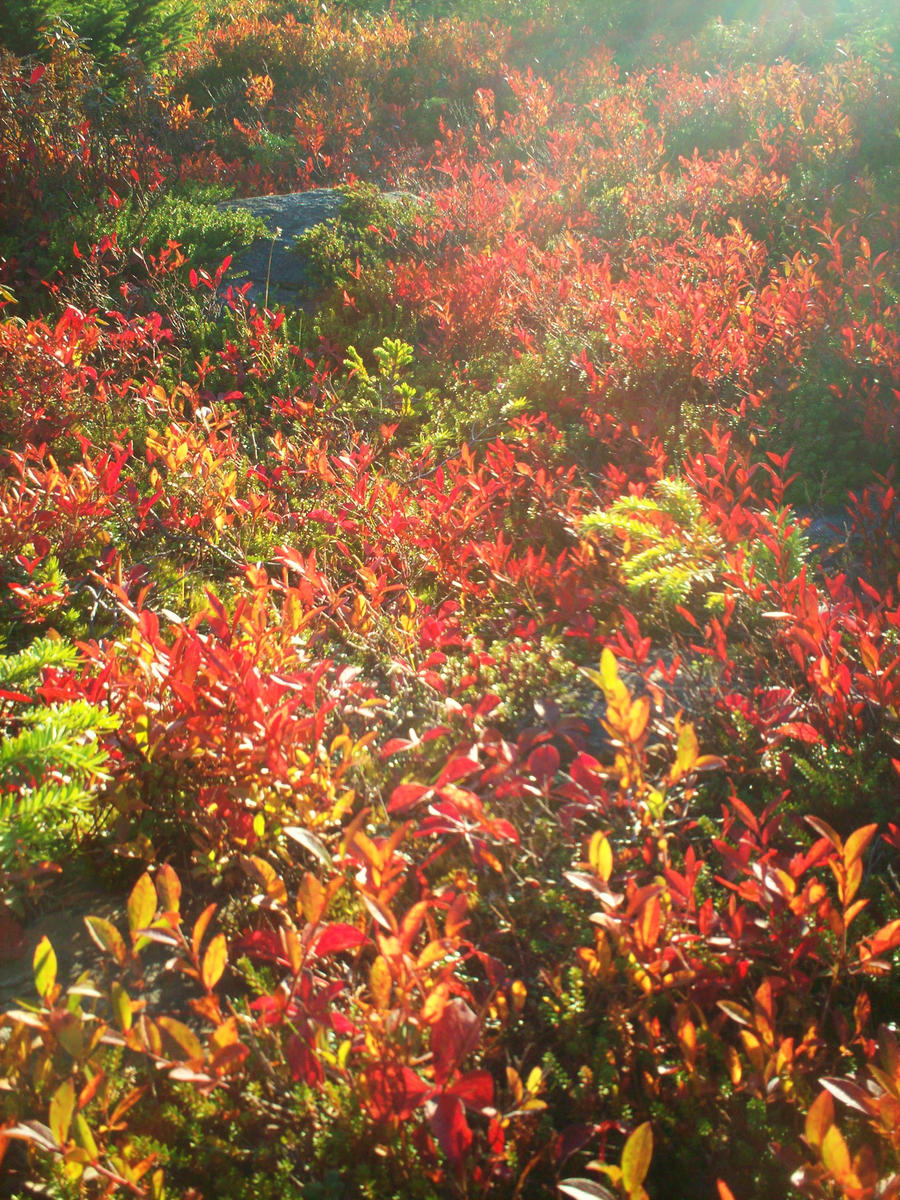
point(467, 707)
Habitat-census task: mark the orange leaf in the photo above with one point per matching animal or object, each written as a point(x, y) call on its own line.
point(835, 1154)
point(434, 1006)
point(647, 928)
point(638, 716)
point(214, 961)
point(823, 828)
point(310, 898)
point(819, 1120)
point(168, 888)
point(857, 842)
point(887, 938)
point(457, 919)
point(200, 927)
point(380, 982)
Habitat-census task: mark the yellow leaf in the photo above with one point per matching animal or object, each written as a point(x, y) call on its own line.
point(267, 877)
point(518, 993)
point(184, 1037)
point(433, 953)
point(200, 927)
point(435, 1004)
point(600, 856)
point(226, 1034)
point(735, 1069)
point(84, 1137)
point(535, 1081)
point(141, 907)
point(294, 948)
point(122, 1007)
point(856, 843)
point(62, 1106)
point(44, 968)
point(686, 756)
point(609, 670)
point(636, 1157)
point(107, 938)
point(70, 1033)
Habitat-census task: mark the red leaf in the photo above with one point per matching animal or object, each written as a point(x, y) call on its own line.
point(476, 1089)
point(572, 1139)
point(395, 745)
point(269, 1010)
point(543, 763)
point(458, 768)
point(800, 731)
point(406, 795)
point(453, 1036)
point(339, 937)
point(395, 1092)
point(37, 74)
point(434, 681)
point(501, 828)
point(302, 1062)
point(448, 1124)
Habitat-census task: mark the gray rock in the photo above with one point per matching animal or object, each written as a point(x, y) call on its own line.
point(273, 259)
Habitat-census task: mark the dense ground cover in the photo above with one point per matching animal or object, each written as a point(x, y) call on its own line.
point(473, 710)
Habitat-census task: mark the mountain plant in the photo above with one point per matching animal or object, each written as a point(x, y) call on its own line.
point(51, 757)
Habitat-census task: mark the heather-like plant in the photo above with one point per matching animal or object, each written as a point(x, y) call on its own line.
point(51, 758)
point(672, 552)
